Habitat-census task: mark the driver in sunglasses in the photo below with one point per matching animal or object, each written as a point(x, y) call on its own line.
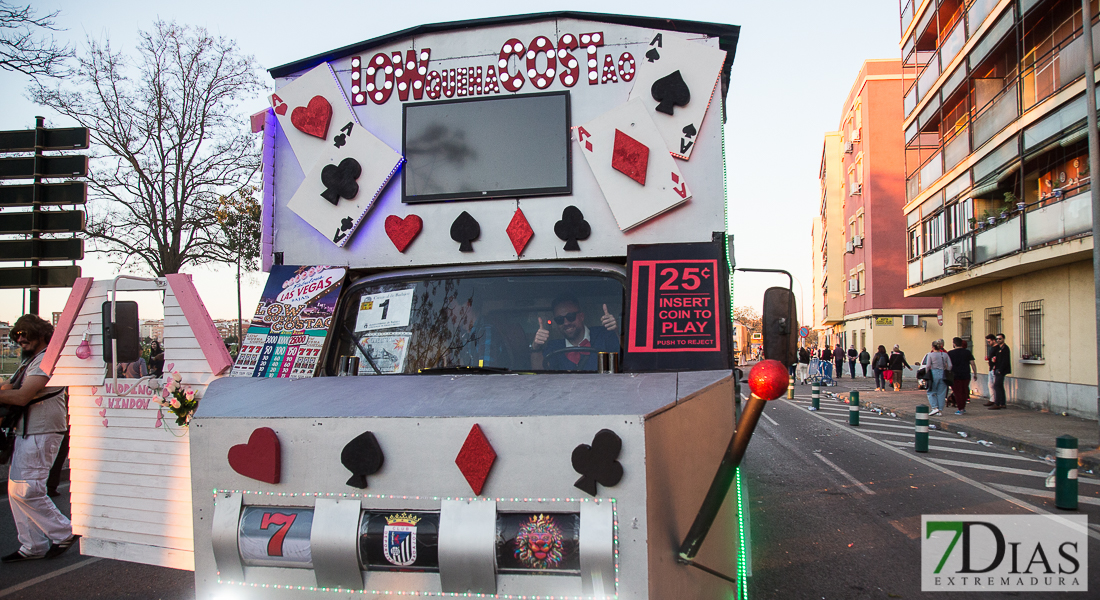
point(555, 355)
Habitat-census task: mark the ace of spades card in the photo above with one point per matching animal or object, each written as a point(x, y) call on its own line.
point(313, 113)
point(638, 178)
point(343, 183)
point(675, 81)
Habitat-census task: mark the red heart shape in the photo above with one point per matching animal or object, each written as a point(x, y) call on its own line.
point(259, 458)
point(280, 110)
point(104, 422)
point(168, 367)
point(402, 231)
point(103, 413)
point(313, 119)
point(99, 401)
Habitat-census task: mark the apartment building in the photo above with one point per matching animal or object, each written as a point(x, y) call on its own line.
point(998, 211)
point(859, 271)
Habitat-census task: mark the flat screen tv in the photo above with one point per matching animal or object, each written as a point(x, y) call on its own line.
point(482, 148)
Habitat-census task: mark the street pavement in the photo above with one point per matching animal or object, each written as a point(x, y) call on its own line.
point(835, 510)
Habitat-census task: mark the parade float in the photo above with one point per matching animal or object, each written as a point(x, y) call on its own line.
point(444, 209)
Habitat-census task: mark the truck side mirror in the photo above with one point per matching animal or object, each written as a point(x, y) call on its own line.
point(125, 329)
point(780, 325)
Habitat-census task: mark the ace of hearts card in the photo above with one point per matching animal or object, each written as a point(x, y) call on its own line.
point(312, 112)
point(675, 80)
point(627, 154)
point(343, 183)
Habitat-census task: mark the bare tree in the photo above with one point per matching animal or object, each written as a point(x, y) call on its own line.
point(24, 49)
point(168, 142)
point(749, 317)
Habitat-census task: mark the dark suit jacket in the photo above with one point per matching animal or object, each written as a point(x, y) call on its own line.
point(601, 339)
point(1004, 359)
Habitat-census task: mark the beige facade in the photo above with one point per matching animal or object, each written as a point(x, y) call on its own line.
point(888, 327)
point(829, 276)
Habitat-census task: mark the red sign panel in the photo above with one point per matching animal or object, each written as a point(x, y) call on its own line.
point(674, 306)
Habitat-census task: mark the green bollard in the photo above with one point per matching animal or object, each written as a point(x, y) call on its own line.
point(853, 409)
point(922, 428)
point(790, 389)
point(815, 396)
point(1065, 473)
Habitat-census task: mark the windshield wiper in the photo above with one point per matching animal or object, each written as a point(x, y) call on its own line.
point(461, 370)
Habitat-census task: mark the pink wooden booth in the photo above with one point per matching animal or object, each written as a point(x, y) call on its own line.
point(130, 463)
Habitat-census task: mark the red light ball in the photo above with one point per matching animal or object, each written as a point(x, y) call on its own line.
point(769, 379)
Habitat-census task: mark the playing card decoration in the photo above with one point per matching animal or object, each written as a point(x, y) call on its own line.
point(572, 227)
point(519, 231)
point(476, 458)
point(674, 72)
point(630, 157)
point(597, 463)
point(260, 458)
point(340, 181)
point(670, 91)
point(306, 107)
point(638, 178)
point(402, 231)
point(362, 456)
point(350, 176)
point(313, 118)
point(464, 230)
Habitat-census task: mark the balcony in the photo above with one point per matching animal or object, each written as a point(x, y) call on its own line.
point(1048, 68)
point(1062, 217)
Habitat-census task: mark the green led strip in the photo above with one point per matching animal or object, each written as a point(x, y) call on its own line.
point(742, 557)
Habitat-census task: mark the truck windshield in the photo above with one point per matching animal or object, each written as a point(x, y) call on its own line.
point(480, 322)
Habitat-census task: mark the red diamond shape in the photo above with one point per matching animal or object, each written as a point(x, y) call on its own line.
point(630, 157)
point(519, 231)
point(475, 459)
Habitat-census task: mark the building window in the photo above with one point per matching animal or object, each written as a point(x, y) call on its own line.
point(1031, 330)
point(914, 243)
point(859, 221)
point(861, 279)
point(993, 323)
point(966, 328)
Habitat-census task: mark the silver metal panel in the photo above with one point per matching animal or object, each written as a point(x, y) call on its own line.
point(467, 546)
point(452, 395)
point(334, 541)
point(223, 535)
point(597, 549)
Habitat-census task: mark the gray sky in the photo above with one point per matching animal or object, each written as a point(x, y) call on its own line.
point(793, 69)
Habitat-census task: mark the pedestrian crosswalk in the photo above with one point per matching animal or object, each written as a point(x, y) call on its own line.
point(1013, 473)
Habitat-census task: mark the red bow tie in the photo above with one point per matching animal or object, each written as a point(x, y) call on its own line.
point(575, 357)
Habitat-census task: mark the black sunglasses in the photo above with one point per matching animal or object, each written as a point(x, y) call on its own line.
point(561, 319)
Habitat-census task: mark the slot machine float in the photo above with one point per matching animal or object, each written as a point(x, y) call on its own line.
point(492, 358)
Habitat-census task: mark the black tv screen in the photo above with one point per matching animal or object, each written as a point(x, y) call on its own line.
point(481, 148)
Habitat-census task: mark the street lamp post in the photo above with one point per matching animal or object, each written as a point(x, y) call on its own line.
point(1094, 170)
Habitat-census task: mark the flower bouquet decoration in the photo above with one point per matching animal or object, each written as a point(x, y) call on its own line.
point(180, 400)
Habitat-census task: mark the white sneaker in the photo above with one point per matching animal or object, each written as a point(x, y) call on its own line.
point(935, 411)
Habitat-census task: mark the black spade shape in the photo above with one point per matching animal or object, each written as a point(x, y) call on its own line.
point(572, 227)
point(597, 463)
point(690, 131)
point(670, 91)
point(339, 181)
point(464, 230)
point(362, 456)
point(653, 55)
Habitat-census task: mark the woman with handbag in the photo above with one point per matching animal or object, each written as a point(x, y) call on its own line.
point(897, 361)
point(934, 366)
point(881, 364)
point(962, 360)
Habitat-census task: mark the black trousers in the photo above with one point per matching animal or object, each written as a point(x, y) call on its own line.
point(999, 397)
point(54, 478)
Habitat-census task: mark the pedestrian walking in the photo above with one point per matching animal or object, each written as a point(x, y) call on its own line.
point(853, 356)
point(936, 367)
point(803, 364)
point(962, 361)
point(881, 365)
point(838, 360)
point(864, 359)
point(990, 350)
point(42, 531)
point(897, 362)
point(1002, 366)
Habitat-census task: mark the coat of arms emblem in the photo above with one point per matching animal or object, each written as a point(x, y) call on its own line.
point(399, 539)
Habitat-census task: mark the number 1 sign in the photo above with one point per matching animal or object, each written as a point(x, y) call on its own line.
point(677, 306)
